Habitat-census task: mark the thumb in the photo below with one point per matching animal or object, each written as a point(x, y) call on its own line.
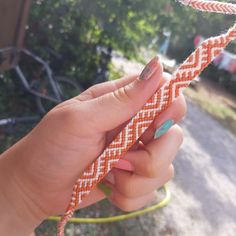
point(112, 109)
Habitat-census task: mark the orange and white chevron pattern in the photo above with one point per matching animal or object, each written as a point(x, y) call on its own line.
point(158, 103)
point(211, 6)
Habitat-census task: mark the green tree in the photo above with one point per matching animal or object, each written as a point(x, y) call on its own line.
point(77, 28)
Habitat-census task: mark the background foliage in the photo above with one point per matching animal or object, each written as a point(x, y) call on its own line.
point(82, 31)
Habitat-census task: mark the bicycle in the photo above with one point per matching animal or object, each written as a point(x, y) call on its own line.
point(47, 89)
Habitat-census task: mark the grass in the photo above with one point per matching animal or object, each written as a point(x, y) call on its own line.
point(225, 114)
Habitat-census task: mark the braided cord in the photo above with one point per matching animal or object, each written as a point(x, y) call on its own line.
point(211, 6)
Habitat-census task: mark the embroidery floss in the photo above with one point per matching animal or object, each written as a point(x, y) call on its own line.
point(211, 6)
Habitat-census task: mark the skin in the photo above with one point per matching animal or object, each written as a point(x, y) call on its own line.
point(37, 174)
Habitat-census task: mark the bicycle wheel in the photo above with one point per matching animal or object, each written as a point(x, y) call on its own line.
point(67, 89)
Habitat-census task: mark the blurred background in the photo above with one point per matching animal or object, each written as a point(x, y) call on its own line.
point(53, 50)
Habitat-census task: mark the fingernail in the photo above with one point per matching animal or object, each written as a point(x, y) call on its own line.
point(105, 189)
point(149, 69)
point(124, 165)
point(163, 129)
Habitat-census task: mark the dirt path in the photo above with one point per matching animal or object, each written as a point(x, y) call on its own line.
point(204, 189)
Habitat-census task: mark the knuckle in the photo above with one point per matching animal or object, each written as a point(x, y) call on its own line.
point(127, 188)
point(59, 113)
point(94, 88)
point(178, 133)
point(89, 93)
point(167, 175)
point(151, 169)
point(122, 94)
point(171, 172)
point(69, 116)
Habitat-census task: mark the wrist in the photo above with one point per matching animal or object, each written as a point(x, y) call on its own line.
point(19, 213)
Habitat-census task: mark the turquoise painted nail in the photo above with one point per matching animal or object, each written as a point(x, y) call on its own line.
point(163, 129)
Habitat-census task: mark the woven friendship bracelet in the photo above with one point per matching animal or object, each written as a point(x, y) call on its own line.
point(158, 103)
point(211, 6)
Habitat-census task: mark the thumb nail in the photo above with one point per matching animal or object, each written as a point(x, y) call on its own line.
point(149, 69)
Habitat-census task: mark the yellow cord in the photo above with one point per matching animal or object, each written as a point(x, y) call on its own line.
point(159, 205)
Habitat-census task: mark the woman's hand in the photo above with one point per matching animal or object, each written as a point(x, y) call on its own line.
point(38, 173)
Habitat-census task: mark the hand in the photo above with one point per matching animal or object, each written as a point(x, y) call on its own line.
point(42, 168)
